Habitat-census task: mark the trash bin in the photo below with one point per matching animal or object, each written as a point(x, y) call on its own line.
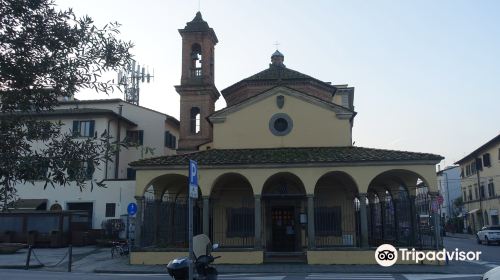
point(55, 239)
point(32, 234)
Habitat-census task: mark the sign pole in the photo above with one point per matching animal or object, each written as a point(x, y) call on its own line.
point(191, 255)
point(192, 194)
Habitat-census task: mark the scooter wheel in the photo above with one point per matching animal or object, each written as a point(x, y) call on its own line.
point(211, 273)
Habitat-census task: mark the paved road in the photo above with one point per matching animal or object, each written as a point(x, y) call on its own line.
point(47, 275)
point(490, 255)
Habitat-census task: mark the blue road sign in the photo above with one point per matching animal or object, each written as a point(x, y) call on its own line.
point(193, 179)
point(132, 208)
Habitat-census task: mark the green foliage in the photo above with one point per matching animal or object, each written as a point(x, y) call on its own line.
point(47, 54)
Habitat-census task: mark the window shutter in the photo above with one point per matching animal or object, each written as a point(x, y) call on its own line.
point(76, 128)
point(486, 160)
point(166, 139)
point(174, 142)
point(91, 128)
point(479, 164)
point(141, 137)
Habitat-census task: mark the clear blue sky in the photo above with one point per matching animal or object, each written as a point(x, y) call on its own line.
point(426, 73)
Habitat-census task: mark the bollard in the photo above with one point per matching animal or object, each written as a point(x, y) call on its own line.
point(28, 258)
point(70, 257)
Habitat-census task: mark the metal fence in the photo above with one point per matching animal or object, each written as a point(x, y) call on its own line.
point(165, 222)
point(336, 223)
point(232, 224)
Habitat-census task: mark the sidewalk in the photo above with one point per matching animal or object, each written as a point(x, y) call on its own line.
point(98, 260)
point(460, 235)
point(455, 268)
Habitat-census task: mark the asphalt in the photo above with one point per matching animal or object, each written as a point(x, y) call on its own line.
point(98, 260)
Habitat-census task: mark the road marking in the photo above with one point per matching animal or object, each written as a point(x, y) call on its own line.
point(318, 276)
point(252, 277)
point(438, 276)
point(483, 263)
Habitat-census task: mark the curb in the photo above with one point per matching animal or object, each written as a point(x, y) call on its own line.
point(17, 266)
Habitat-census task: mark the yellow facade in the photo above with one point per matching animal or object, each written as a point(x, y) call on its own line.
point(482, 207)
point(280, 177)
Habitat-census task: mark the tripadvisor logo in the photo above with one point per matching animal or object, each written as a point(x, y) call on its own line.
point(387, 255)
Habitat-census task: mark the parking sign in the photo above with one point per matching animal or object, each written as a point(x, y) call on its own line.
point(193, 179)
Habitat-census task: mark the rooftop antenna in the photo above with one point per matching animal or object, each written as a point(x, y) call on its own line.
point(131, 77)
point(199, 5)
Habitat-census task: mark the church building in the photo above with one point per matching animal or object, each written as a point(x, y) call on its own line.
point(279, 177)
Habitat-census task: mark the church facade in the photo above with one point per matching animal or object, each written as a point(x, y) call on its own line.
point(279, 178)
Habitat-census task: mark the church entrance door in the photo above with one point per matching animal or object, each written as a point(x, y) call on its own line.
point(283, 229)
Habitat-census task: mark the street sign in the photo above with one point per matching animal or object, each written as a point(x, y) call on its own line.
point(440, 199)
point(193, 179)
point(132, 208)
point(193, 194)
point(434, 206)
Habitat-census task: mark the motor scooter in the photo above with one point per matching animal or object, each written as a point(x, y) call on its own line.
point(202, 270)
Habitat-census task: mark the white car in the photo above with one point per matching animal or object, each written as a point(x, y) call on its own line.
point(493, 274)
point(488, 235)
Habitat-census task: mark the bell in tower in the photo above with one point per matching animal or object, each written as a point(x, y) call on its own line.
point(197, 89)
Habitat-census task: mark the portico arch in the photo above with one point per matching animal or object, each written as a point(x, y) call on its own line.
point(336, 210)
point(165, 212)
point(232, 217)
point(284, 200)
point(393, 215)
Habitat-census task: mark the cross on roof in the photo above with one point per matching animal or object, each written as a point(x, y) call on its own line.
point(276, 44)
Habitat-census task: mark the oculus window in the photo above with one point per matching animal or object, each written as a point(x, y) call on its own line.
point(280, 124)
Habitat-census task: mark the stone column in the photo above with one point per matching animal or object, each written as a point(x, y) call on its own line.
point(206, 215)
point(311, 235)
point(363, 220)
point(258, 223)
point(138, 220)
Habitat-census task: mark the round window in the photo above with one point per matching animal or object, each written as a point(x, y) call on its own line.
point(280, 124)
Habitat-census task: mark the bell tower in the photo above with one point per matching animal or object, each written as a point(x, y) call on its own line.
point(197, 89)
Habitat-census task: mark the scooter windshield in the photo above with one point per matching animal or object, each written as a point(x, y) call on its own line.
point(201, 245)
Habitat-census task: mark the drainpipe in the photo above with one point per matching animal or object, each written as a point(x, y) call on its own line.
point(118, 136)
point(106, 162)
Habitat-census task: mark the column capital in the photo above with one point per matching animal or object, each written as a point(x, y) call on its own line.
point(205, 197)
point(257, 196)
point(362, 195)
point(139, 198)
point(433, 194)
point(310, 195)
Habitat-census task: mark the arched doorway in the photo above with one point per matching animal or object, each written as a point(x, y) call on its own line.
point(232, 212)
point(336, 211)
point(284, 197)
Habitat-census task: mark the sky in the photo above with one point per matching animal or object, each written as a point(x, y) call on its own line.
point(425, 72)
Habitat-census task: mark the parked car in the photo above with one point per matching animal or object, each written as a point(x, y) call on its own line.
point(492, 274)
point(488, 235)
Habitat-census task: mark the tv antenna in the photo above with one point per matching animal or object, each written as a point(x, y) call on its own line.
point(131, 77)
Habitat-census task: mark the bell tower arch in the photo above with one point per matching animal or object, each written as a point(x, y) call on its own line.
point(197, 89)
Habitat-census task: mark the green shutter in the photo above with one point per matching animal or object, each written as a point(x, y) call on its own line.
point(141, 137)
point(91, 128)
point(76, 128)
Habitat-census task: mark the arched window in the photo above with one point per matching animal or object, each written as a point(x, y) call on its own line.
point(196, 61)
point(195, 120)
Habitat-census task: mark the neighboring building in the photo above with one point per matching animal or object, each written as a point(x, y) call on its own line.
point(449, 187)
point(480, 185)
point(279, 178)
point(121, 119)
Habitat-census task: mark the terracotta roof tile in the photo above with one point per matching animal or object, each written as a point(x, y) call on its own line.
point(312, 155)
